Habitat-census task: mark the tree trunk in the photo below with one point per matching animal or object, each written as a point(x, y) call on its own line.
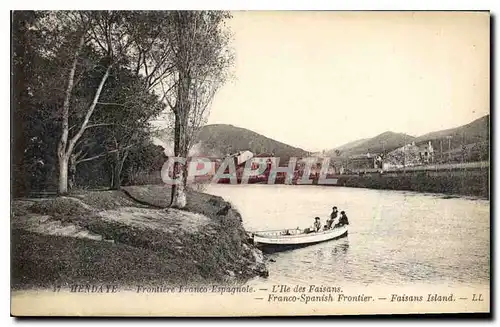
point(112, 182)
point(179, 201)
point(116, 173)
point(62, 148)
point(175, 171)
point(65, 147)
point(181, 110)
point(63, 174)
point(72, 172)
point(178, 194)
point(117, 181)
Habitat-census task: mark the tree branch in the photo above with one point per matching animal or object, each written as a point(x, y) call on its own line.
point(91, 158)
point(165, 97)
point(138, 67)
point(90, 111)
point(67, 97)
point(104, 154)
point(111, 104)
point(96, 125)
point(154, 81)
point(96, 38)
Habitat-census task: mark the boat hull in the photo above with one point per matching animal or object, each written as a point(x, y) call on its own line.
point(270, 242)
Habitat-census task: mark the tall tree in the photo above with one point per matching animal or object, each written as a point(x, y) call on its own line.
point(121, 126)
point(118, 70)
point(111, 36)
point(201, 58)
point(80, 29)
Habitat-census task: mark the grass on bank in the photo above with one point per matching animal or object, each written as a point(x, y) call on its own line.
point(143, 244)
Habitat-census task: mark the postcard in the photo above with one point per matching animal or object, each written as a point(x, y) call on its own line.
point(250, 163)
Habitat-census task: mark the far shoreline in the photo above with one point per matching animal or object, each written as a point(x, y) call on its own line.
point(472, 182)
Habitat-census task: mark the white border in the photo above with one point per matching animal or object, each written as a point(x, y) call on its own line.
point(260, 5)
point(187, 4)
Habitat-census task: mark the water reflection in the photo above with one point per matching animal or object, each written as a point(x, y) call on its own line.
point(325, 253)
point(320, 261)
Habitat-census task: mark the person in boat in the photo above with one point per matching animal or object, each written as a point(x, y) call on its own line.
point(334, 213)
point(343, 220)
point(317, 224)
point(333, 216)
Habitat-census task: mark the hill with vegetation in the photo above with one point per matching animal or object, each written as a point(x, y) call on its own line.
point(386, 141)
point(346, 146)
point(221, 139)
point(470, 140)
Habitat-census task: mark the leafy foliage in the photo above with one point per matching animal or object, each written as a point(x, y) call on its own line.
point(86, 88)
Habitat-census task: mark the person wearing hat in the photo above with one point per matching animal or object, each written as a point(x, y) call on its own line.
point(317, 224)
point(333, 216)
point(334, 213)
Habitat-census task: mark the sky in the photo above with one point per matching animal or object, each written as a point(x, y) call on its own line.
point(317, 80)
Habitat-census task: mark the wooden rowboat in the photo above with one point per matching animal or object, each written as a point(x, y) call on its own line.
point(278, 240)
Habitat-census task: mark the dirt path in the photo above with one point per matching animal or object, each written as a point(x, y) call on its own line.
point(167, 220)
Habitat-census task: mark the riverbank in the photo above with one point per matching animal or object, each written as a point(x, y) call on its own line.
point(468, 179)
point(453, 182)
point(127, 238)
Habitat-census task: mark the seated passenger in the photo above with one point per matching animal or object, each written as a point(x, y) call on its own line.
point(343, 219)
point(334, 213)
point(317, 224)
point(333, 216)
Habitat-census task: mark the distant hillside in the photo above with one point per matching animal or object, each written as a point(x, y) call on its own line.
point(387, 141)
point(221, 139)
point(468, 142)
point(345, 147)
point(475, 132)
point(472, 137)
point(471, 141)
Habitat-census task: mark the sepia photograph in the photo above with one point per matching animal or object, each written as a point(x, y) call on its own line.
point(250, 163)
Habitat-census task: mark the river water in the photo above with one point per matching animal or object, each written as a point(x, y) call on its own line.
point(395, 237)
